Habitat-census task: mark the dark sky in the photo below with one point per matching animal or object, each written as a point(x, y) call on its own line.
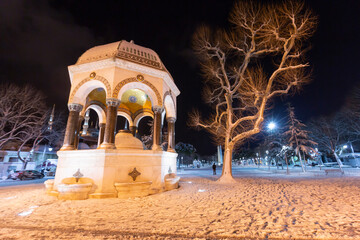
point(39, 39)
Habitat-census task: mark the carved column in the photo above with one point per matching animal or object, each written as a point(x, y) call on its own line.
point(157, 128)
point(171, 133)
point(78, 133)
point(69, 139)
point(133, 130)
point(111, 114)
point(101, 133)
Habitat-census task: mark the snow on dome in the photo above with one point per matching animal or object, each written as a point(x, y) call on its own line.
point(125, 50)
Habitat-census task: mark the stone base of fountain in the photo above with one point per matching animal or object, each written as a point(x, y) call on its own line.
point(74, 191)
point(133, 189)
point(102, 195)
point(49, 185)
point(106, 167)
point(70, 188)
point(171, 182)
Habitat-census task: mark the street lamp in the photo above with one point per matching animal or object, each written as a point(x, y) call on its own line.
point(271, 126)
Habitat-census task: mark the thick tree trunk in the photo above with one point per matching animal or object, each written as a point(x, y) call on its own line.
point(226, 176)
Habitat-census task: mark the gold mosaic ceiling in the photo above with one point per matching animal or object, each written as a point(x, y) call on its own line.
point(98, 95)
point(135, 100)
point(132, 100)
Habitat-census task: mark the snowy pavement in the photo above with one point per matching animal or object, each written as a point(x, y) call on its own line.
point(261, 205)
point(11, 182)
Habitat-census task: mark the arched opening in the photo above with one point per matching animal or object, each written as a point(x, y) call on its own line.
point(80, 93)
point(169, 105)
point(144, 132)
point(93, 120)
point(89, 130)
point(121, 123)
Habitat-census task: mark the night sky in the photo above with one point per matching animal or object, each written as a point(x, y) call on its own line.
point(39, 39)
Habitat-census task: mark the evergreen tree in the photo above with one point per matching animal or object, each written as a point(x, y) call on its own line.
point(298, 137)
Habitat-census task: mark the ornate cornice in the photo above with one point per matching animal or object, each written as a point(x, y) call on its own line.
point(75, 107)
point(106, 63)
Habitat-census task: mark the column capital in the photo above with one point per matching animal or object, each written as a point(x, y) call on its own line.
point(112, 102)
point(157, 109)
point(75, 107)
point(171, 119)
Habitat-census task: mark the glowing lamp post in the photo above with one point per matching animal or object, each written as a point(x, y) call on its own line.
point(271, 126)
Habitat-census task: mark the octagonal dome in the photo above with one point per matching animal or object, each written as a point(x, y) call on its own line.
point(125, 50)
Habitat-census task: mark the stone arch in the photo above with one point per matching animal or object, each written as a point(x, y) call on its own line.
point(83, 88)
point(146, 86)
point(127, 116)
point(142, 115)
point(100, 112)
point(170, 106)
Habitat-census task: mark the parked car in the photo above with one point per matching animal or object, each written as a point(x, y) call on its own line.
point(27, 174)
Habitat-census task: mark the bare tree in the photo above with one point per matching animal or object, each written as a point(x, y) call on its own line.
point(237, 86)
point(330, 133)
point(352, 112)
point(24, 117)
point(298, 137)
point(43, 133)
point(21, 110)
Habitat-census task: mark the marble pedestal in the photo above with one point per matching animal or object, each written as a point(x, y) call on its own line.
point(105, 167)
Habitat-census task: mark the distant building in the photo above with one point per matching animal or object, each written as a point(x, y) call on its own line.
point(351, 159)
point(42, 157)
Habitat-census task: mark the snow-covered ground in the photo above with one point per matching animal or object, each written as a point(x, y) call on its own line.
point(260, 205)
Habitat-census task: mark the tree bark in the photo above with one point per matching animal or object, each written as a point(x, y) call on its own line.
point(226, 176)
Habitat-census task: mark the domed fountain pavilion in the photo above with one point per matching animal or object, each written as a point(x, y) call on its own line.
point(119, 79)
